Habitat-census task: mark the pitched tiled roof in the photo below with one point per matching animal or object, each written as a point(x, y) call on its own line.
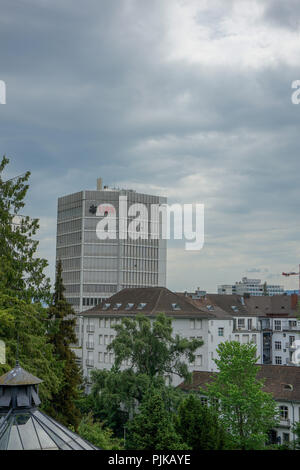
point(283, 382)
point(276, 305)
point(157, 300)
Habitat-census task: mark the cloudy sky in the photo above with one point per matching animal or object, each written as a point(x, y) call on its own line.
point(188, 99)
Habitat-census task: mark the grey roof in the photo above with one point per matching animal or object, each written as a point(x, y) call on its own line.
point(19, 376)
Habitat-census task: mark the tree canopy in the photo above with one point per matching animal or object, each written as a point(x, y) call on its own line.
point(244, 408)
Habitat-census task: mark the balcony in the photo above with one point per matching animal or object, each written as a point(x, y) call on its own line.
point(90, 362)
point(90, 345)
point(90, 328)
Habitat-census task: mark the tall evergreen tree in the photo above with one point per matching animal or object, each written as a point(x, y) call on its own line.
point(152, 428)
point(62, 335)
point(199, 426)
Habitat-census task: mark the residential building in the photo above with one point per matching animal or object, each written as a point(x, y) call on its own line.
point(284, 385)
point(250, 286)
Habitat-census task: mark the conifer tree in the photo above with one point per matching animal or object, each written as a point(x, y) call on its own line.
point(62, 335)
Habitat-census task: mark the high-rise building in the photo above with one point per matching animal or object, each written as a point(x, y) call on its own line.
point(95, 268)
point(252, 287)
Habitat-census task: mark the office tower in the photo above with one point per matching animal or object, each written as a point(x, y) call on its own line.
point(94, 268)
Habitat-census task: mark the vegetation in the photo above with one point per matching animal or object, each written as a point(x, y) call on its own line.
point(62, 335)
point(245, 410)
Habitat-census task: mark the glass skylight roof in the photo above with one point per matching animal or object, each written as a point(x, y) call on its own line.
point(33, 430)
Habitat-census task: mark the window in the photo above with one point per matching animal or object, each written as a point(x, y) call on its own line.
point(250, 324)
point(105, 306)
point(192, 324)
point(198, 361)
point(117, 306)
point(105, 358)
point(241, 323)
point(245, 339)
point(199, 324)
point(129, 306)
point(106, 339)
point(277, 325)
point(100, 357)
point(278, 345)
point(176, 307)
point(101, 323)
point(141, 306)
point(107, 322)
point(278, 360)
point(254, 339)
point(220, 331)
point(284, 412)
point(100, 339)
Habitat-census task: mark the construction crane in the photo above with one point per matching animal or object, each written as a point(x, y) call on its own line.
point(293, 273)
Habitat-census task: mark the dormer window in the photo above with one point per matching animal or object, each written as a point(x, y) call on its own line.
point(105, 306)
point(117, 306)
point(210, 307)
point(234, 308)
point(141, 306)
point(176, 307)
point(129, 306)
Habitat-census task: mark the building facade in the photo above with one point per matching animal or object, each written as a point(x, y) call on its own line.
point(250, 286)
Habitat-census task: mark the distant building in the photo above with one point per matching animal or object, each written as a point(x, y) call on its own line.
point(250, 286)
point(282, 382)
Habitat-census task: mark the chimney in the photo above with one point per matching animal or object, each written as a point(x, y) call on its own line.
point(99, 184)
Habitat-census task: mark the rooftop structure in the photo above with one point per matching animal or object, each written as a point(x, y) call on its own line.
point(22, 425)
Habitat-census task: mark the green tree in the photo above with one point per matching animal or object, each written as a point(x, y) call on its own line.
point(95, 432)
point(245, 410)
point(23, 328)
point(153, 354)
point(151, 349)
point(199, 426)
point(152, 428)
point(62, 334)
point(22, 272)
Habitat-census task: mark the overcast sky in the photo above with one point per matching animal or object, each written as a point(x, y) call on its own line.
point(187, 99)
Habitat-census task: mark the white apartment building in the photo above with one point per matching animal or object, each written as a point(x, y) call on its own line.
point(250, 286)
point(187, 320)
point(282, 382)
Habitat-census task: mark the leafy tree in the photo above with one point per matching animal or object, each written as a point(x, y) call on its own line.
point(97, 434)
point(116, 395)
point(22, 272)
point(152, 428)
point(245, 410)
point(199, 426)
point(151, 349)
point(23, 328)
point(153, 354)
point(62, 335)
